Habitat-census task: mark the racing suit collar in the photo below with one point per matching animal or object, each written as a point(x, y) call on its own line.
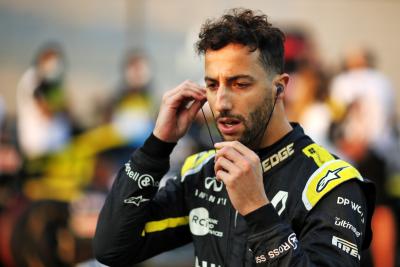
point(291, 136)
point(287, 142)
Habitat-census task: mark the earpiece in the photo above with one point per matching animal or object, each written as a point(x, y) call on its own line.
point(279, 89)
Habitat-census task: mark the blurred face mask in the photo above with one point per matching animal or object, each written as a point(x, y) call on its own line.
point(137, 73)
point(51, 68)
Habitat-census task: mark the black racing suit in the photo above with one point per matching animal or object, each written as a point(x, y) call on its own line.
point(319, 213)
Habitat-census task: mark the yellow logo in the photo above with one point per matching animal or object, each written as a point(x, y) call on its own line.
point(326, 178)
point(319, 154)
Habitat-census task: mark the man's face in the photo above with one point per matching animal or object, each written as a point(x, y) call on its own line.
point(51, 67)
point(239, 92)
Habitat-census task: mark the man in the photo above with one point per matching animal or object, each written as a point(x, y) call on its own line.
point(43, 123)
point(266, 196)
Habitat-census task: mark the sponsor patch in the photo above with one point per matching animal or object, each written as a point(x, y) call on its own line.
point(211, 183)
point(280, 198)
point(201, 224)
point(345, 224)
point(210, 198)
point(353, 205)
point(346, 246)
point(326, 178)
point(136, 200)
point(330, 175)
point(290, 243)
point(276, 158)
point(319, 154)
point(143, 180)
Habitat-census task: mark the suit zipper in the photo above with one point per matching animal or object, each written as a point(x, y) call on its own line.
point(228, 245)
point(236, 215)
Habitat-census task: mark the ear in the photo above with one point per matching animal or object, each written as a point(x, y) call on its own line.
point(280, 82)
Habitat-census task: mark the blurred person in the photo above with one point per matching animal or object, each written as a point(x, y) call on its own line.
point(55, 233)
point(367, 97)
point(366, 135)
point(2, 111)
point(84, 212)
point(300, 48)
point(60, 166)
point(64, 174)
point(11, 199)
point(43, 125)
point(265, 196)
point(11, 161)
point(41, 236)
point(312, 108)
point(132, 109)
point(306, 97)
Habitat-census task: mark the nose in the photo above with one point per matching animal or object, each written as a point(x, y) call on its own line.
point(223, 99)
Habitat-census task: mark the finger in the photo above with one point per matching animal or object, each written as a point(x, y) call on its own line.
point(194, 85)
point(230, 154)
point(193, 88)
point(185, 96)
point(239, 147)
point(187, 93)
point(186, 85)
point(242, 149)
point(244, 163)
point(226, 165)
point(223, 176)
point(195, 107)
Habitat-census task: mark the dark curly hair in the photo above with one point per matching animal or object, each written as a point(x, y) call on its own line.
point(249, 28)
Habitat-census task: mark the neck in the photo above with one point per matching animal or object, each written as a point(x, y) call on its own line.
point(278, 127)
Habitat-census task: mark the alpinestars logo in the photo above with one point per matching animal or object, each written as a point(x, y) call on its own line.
point(136, 200)
point(331, 175)
point(346, 246)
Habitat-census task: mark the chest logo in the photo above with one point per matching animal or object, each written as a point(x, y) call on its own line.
point(273, 160)
point(212, 182)
point(280, 197)
point(201, 224)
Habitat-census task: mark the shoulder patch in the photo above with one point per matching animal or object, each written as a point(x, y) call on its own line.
point(195, 162)
point(326, 178)
point(319, 154)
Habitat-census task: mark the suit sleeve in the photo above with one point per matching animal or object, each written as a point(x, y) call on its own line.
point(137, 219)
point(333, 233)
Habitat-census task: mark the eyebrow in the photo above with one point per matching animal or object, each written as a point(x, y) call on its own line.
point(233, 78)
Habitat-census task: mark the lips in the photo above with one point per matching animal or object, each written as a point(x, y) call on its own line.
point(229, 126)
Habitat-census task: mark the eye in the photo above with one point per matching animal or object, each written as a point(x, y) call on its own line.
point(212, 86)
point(242, 85)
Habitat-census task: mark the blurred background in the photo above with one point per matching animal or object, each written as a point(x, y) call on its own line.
point(80, 83)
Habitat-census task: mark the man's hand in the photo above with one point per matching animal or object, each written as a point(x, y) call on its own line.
point(177, 112)
point(240, 170)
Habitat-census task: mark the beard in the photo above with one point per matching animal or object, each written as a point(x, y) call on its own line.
point(255, 125)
